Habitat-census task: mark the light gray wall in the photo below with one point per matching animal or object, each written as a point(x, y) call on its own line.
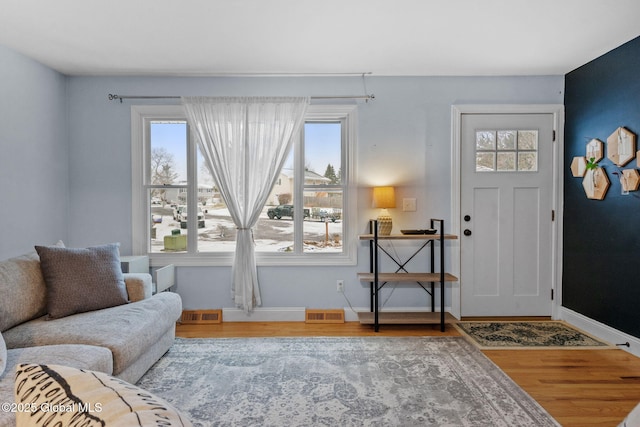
point(404, 140)
point(33, 154)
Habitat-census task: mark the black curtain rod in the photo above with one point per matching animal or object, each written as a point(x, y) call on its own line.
point(113, 97)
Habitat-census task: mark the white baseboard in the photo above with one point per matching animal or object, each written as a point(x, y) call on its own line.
point(601, 330)
point(268, 314)
point(352, 315)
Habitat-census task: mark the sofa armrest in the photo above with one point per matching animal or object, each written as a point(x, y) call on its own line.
point(139, 286)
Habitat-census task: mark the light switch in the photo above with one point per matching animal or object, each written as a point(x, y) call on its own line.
point(409, 205)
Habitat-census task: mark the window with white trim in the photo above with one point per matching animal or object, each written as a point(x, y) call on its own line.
point(309, 217)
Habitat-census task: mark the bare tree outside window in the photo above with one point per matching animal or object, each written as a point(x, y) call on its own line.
point(162, 171)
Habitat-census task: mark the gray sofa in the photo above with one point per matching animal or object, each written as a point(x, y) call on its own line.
point(123, 341)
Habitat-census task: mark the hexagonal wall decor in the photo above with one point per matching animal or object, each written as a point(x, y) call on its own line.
point(596, 183)
point(621, 146)
point(578, 166)
point(630, 180)
point(595, 149)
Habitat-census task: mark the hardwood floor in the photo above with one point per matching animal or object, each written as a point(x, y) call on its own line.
point(579, 388)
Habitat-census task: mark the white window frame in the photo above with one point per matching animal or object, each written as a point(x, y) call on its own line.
point(142, 114)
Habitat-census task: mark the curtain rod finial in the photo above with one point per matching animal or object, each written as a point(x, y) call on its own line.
point(113, 96)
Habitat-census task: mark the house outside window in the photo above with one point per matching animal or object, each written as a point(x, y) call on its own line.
point(171, 180)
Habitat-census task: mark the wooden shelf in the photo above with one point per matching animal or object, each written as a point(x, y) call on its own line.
point(404, 318)
point(407, 277)
point(409, 237)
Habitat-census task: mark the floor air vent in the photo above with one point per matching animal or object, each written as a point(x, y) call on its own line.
point(201, 317)
point(324, 315)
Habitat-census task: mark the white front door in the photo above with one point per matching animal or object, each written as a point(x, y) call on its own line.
point(506, 203)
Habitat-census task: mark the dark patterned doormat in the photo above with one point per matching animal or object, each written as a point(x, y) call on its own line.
point(528, 335)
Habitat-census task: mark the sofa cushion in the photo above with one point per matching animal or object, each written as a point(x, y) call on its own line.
point(23, 290)
point(79, 356)
point(127, 330)
point(80, 280)
point(3, 355)
point(89, 398)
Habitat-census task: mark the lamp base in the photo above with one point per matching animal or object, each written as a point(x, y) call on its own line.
point(384, 224)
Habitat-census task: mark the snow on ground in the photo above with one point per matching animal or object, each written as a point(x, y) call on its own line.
point(270, 235)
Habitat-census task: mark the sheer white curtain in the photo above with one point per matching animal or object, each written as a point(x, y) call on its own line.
point(245, 142)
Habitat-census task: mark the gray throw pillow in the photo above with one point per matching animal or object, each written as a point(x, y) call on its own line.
point(80, 280)
point(3, 355)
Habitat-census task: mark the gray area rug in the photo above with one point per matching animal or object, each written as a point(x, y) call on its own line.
point(365, 381)
point(536, 334)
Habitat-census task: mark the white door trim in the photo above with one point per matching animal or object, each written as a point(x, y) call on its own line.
point(557, 110)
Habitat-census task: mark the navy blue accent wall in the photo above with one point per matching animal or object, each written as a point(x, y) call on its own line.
point(601, 249)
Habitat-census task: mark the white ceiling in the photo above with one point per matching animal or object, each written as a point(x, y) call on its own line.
point(382, 37)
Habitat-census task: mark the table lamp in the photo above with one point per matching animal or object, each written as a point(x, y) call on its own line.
point(384, 198)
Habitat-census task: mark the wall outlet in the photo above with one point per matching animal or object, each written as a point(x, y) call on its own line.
point(340, 285)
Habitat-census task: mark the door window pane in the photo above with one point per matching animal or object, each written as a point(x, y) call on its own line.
point(507, 140)
point(507, 161)
point(507, 151)
point(528, 161)
point(485, 140)
point(528, 140)
point(485, 162)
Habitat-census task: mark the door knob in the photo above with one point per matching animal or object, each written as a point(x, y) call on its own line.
point(467, 232)
point(467, 218)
